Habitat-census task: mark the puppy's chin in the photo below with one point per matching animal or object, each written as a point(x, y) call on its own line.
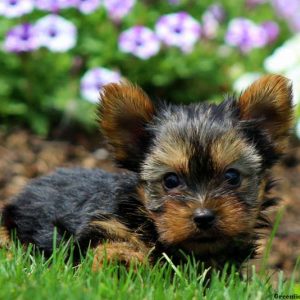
point(203, 245)
point(210, 243)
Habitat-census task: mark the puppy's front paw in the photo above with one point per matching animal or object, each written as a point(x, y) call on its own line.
point(4, 237)
point(122, 252)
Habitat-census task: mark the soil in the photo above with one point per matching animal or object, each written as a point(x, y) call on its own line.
point(24, 156)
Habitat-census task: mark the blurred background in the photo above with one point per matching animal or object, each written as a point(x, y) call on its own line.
point(55, 56)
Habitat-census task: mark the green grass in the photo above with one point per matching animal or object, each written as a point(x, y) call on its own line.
point(27, 276)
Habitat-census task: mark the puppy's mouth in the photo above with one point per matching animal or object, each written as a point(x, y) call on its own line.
point(204, 239)
point(202, 245)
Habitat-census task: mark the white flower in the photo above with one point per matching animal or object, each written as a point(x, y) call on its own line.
point(93, 81)
point(294, 75)
point(87, 6)
point(15, 8)
point(298, 129)
point(118, 9)
point(178, 29)
point(56, 33)
point(21, 38)
point(284, 57)
point(54, 5)
point(140, 41)
point(244, 81)
point(286, 61)
point(245, 34)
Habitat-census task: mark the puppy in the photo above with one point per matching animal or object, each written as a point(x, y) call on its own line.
point(198, 180)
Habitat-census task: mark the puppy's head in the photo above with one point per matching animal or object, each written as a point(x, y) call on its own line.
point(203, 168)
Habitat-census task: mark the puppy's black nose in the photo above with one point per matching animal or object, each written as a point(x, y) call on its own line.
point(204, 218)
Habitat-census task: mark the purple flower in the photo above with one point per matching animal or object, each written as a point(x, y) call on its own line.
point(139, 41)
point(295, 22)
point(254, 3)
point(22, 38)
point(178, 29)
point(15, 8)
point(289, 11)
point(272, 31)
point(87, 6)
point(117, 9)
point(54, 5)
point(210, 26)
point(285, 8)
point(93, 81)
point(56, 33)
point(211, 20)
point(217, 11)
point(174, 2)
point(245, 34)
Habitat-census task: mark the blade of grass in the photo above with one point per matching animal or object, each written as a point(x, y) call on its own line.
point(267, 252)
point(176, 270)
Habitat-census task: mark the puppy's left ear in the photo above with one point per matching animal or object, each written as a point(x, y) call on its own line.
point(125, 111)
point(269, 100)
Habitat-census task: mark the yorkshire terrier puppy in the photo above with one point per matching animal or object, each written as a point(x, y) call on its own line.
point(198, 179)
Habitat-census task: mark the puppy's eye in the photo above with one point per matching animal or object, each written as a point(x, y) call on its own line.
point(171, 181)
point(233, 177)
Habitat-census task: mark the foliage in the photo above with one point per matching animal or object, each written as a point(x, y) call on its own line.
point(42, 87)
point(27, 276)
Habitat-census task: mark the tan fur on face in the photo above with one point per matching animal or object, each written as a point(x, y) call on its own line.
point(170, 156)
point(229, 148)
point(176, 227)
point(261, 191)
point(175, 224)
point(270, 98)
point(141, 194)
point(233, 218)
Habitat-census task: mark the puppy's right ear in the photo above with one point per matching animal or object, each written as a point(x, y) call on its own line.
point(124, 111)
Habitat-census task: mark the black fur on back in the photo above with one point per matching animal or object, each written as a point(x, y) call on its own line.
point(69, 200)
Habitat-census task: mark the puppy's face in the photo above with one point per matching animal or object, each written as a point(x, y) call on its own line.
point(201, 178)
point(203, 168)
